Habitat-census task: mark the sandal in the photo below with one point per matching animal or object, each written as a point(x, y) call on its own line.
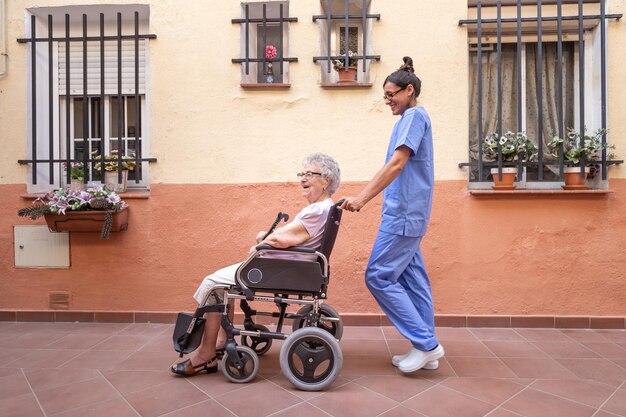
point(186, 368)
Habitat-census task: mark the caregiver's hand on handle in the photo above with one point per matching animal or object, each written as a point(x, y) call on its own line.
point(352, 203)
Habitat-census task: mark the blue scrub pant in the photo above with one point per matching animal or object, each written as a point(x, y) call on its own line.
point(397, 279)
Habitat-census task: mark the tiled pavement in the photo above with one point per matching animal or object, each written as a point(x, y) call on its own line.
point(119, 370)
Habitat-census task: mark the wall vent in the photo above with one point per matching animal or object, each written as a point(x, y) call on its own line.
point(59, 300)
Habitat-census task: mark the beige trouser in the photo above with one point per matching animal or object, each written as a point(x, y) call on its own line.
point(224, 276)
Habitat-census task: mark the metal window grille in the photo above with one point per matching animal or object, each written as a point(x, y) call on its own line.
point(498, 28)
point(347, 42)
point(266, 23)
point(68, 42)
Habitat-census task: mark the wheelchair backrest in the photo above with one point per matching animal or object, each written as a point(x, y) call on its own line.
point(330, 230)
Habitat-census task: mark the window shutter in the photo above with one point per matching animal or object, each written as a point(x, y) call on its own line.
point(110, 68)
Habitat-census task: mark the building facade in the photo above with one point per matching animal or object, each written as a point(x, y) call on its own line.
point(185, 90)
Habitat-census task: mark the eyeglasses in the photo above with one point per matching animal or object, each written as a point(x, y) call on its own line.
point(389, 96)
point(307, 175)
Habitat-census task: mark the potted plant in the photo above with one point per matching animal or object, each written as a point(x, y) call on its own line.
point(346, 74)
point(111, 168)
point(576, 149)
point(513, 146)
point(77, 175)
point(270, 52)
point(68, 210)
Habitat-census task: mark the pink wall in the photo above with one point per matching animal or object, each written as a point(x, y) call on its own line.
point(501, 255)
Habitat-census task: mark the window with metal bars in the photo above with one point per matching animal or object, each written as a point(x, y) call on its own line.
point(265, 44)
point(532, 66)
point(88, 95)
point(346, 42)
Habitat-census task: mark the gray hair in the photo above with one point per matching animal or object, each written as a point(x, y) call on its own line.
point(328, 166)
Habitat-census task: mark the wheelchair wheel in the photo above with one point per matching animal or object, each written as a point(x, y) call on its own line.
point(333, 327)
point(311, 359)
point(250, 367)
point(260, 345)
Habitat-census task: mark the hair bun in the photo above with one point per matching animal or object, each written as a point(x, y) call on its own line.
point(408, 65)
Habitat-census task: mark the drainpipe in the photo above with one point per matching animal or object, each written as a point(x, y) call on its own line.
point(3, 43)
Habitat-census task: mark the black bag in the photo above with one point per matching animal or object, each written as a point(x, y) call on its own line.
point(187, 333)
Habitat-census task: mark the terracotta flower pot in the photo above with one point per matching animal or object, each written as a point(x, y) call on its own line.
point(86, 221)
point(573, 180)
point(347, 75)
point(111, 182)
point(508, 178)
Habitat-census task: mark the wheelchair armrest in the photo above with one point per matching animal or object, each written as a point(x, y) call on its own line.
point(300, 249)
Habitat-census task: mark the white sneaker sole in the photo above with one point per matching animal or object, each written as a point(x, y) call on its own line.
point(414, 365)
point(431, 365)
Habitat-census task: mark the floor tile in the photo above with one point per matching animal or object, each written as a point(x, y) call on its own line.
point(467, 348)
point(261, 399)
point(532, 403)
point(77, 341)
point(22, 406)
point(43, 379)
point(453, 334)
point(565, 350)
point(401, 411)
point(515, 349)
point(301, 410)
point(616, 336)
point(543, 335)
point(364, 347)
point(203, 409)
point(607, 350)
point(365, 332)
point(78, 394)
point(583, 335)
point(397, 388)
point(45, 358)
point(94, 359)
point(600, 370)
point(367, 365)
point(127, 382)
point(500, 335)
point(480, 367)
point(538, 368)
point(117, 407)
point(491, 390)
point(617, 403)
point(441, 401)
point(590, 393)
point(13, 385)
point(122, 342)
point(165, 398)
point(351, 400)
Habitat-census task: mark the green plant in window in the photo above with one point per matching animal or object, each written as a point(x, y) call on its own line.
point(77, 170)
point(513, 146)
point(338, 64)
point(577, 146)
point(111, 162)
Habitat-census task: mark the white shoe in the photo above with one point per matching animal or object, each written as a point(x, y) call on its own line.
point(430, 365)
point(417, 359)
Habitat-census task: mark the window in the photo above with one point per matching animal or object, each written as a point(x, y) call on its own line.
point(345, 28)
point(265, 44)
point(88, 91)
point(535, 71)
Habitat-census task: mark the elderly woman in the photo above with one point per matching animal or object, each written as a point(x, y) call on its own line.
point(319, 179)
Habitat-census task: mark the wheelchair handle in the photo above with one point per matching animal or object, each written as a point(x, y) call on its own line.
point(279, 217)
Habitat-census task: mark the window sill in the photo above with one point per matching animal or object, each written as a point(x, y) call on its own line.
point(538, 192)
point(346, 85)
point(266, 86)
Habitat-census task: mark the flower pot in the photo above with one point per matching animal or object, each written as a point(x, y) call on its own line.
point(77, 185)
point(111, 181)
point(508, 178)
point(573, 180)
point(347, 75)
point(86, 221)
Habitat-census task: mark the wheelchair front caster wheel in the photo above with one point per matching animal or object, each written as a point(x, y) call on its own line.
point(260, 345)
point(311, 359)
point(334, 327)
point(248, 370)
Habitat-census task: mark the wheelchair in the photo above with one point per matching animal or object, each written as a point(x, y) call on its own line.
point(310, 358)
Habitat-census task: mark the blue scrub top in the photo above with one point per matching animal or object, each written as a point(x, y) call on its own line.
point(407, 201)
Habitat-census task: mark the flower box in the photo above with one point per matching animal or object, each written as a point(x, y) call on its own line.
point(86, 221)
